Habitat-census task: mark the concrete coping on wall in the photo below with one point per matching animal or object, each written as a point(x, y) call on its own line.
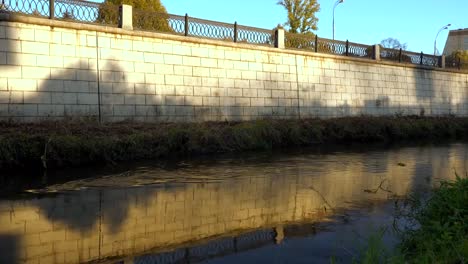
point(10, 17)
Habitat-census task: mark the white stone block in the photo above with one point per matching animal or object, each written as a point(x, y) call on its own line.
point(87, 99)
point(173, 59)
point(133, 99)
point(9, 97)
point(200, 52)
point(142, 46)
point(194, 101)
point(234, 74)
point(249, 92)
point(165, 89)
point(49, 61)
point(174, 80)
point(193, 81)
point(21, 59)
point(226, 83)
point(154, 78)
point(35, 72)
point(208, 62)
point(145, 89)
point(192, 61)
point(22, 110)
point(63, 74)
point(37, 98)
point(249, 75)
point(184, 90)
point(163, 48)
point(9, 45)
point(64, 98)
point(117, 43)
point(202, 91)
point(113, 99)
point(76, 86)
point(8, 71)
point(153, 57)
point(3, 58)
point(144, 67)
point(22, 85)
point(232, 55)
point(3, 84)
point(182, 50)
point(210, 82)
point(71, 51)
point(154, 99)
point(19, 33)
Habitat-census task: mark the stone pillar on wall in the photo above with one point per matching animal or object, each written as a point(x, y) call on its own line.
point(376, 52)
point(279, 38)
point(125, 17)
point(442, 61)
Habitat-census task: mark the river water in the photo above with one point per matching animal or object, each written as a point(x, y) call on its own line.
point(296, 207)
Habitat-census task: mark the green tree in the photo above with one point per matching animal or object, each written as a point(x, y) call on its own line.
point(301, 15)
point(456, 58)
point(147, 14)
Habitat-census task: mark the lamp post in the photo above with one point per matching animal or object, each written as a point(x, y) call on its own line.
point(336, 4)
point(435, 41)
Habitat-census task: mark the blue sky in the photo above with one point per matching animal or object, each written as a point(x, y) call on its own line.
point(415, 22)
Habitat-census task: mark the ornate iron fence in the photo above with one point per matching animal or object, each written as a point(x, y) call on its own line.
point(322, 45)
point(254, 35)
point(211, 29)
point(196, 27)
point(403, 56)
point(27, 7)
point(360, 50)
point(456, 63)
point(74, 10)
point(300, 41)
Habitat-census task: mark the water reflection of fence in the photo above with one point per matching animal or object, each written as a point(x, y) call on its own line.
point(108, 14)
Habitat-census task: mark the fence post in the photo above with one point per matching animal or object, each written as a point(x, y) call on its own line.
point(376, 55)
point(126, 17)
point(279, 38)
point(347, 47)
point(235, 31)
point(51, 9)
point(316, 43)
point(186, 28)
point(421, 61)
point(400, 55)
point(442, 61)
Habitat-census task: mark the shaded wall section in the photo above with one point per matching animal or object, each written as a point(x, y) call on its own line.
point(53, 72)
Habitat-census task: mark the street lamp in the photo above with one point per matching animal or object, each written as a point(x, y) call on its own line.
point(435, 41)
point(336, 4)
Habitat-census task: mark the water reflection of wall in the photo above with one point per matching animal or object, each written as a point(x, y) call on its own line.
point(92, 224)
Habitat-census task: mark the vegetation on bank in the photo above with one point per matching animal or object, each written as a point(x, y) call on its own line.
point(62, 144)
point(438, 231)
point(442, 232)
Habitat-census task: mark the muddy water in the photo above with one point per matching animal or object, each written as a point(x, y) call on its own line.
point(298, 207)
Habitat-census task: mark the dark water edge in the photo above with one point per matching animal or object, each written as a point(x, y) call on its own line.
point(298, 206)
point(13, 183)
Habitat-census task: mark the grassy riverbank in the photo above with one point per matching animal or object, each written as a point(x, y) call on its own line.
point(438, 232)
point(61, 144)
